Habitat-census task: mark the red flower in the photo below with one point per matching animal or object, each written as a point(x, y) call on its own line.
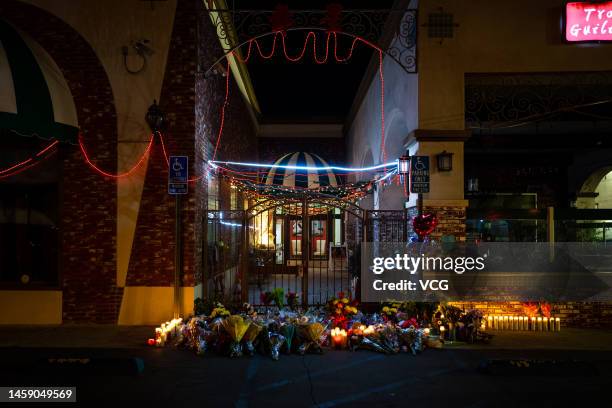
point(545, 309)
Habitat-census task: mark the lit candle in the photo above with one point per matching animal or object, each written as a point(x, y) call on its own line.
point(545, 323)
point(524, 323)
point(539, 324)
point(505, 324)
point(158, 337)
point(551, 323)
point(558, 324)
point(490, 321)
point(426, 331)
point(533, 325)
point(495, 322)
point(442, 329)
point(338, 337)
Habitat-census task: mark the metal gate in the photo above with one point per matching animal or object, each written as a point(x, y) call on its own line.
point(307, 246)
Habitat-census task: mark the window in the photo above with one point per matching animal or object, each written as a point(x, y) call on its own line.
point(213, 192)
point(29, 218)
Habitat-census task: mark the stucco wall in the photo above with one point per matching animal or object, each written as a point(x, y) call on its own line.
point(364, 133)
point(493, 36)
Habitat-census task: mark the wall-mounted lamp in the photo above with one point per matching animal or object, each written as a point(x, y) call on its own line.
point(445, 161)
point(155, 118)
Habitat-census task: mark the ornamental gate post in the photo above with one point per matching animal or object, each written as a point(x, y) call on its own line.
point(305, 250)
point(205, 263)
point(244, 258)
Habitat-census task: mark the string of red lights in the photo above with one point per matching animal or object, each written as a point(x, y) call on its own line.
point(302, 53)
point(115, 175)
point(42, 155)
point(29, 162)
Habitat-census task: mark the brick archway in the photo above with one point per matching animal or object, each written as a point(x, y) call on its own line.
point(88, 223)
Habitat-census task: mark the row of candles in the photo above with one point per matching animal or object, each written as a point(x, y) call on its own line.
point(165, 332)
point(523, 323)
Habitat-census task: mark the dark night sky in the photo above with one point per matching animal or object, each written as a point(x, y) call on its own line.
point(305, 91)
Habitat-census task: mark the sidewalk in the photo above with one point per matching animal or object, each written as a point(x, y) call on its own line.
point(110, 336)
point(77, 336)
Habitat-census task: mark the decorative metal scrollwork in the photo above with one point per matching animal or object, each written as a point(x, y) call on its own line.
point(238, 26)
point(500, 98)
point(403, 47)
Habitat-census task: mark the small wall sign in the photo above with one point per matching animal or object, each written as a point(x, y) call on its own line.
point(588, 21)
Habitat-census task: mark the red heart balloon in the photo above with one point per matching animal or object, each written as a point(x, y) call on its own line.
point(424, 224)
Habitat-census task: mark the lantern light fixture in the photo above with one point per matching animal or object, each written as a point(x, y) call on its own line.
point(445, 161)
point(403, 165)
point(155, 118)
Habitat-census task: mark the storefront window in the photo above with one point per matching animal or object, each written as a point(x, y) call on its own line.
point(29, 219)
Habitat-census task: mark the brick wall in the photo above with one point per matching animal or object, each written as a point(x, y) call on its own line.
point(573, 314)
point(451, 221)
point(152, 257)
point(88, 209)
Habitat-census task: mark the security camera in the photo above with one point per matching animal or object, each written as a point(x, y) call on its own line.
point(142, 48)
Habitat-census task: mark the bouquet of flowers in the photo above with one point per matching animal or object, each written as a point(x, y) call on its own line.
point(288, 332)
point(382, 338)
point(219, 311)
point(266, 298)
point(235, 327)
point(342, 309)
point(389, 310)
point(411, 339)
point(249, 337)
point(530, 309)
point(545, 309)
point(310, 335)
point(292, 300)
point(407, 323)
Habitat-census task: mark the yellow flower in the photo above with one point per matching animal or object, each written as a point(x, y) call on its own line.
point(393, 310)
point(335, 302)
point(385, 309)
point(345, 300)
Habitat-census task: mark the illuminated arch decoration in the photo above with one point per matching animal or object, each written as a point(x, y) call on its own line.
point(236, 25)
point(279, 37)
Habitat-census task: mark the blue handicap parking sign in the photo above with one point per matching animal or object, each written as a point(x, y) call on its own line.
point(178, 174)
point(419, 174)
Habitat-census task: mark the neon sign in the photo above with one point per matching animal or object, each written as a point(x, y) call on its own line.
point(586, 21)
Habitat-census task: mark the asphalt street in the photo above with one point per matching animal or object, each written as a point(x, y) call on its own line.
point(451, 377)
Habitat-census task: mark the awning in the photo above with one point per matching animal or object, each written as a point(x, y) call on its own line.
point(35, 100)
point(311, 179)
